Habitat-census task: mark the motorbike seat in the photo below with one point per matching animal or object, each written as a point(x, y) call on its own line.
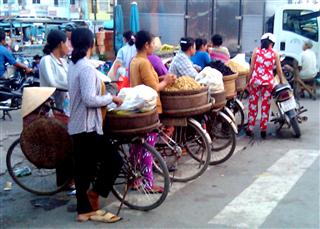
point(280, 87)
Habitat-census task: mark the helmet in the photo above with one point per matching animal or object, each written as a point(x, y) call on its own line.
point(269, 36)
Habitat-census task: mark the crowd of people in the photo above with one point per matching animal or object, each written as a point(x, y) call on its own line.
point(78, 83)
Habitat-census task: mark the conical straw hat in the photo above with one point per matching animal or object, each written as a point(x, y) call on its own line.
point(33, 97)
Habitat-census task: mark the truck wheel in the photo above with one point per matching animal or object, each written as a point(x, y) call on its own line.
point(295, 126)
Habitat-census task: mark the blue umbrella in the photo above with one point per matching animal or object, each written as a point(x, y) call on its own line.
point(134, 18)
point(118, 27)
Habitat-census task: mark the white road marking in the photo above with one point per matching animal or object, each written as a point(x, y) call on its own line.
point(255, 203)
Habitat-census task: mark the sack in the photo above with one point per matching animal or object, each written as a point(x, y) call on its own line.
point(212, 78)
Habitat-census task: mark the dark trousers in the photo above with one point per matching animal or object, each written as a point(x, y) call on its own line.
point(96, 162)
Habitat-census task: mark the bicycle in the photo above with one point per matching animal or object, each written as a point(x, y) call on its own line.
point(186, 151)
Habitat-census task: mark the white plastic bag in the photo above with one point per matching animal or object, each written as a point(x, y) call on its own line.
point(212, 78)
point(138, 99)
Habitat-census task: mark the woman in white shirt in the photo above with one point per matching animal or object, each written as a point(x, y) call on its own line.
point(53, 67)
point(128, 51)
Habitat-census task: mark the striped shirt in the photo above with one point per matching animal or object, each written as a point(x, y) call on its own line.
point(220, 53)
point(182, 66)
point(85, 98)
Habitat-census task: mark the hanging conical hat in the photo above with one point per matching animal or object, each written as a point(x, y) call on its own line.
point(33, 97)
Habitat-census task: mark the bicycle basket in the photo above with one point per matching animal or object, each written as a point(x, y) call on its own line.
point(46, 142)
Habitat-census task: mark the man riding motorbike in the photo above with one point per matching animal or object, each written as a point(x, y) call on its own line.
point(7, 57)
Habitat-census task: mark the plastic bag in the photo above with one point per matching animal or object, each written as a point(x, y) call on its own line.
point(136, 99)
point(212, 78)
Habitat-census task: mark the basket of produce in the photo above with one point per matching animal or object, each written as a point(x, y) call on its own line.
point(220, 99)
point(46, 142)
point(185, 98)
point(137, 115)
point(229, 82)
point(124, 123)
point(242, 70)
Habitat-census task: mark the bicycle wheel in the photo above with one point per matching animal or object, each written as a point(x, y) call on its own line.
point(32, 179)
point(223, 138)
point(238, 112)
point(130, 185)
point(188, 154)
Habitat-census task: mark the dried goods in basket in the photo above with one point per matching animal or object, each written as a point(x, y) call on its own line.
point(46, 142)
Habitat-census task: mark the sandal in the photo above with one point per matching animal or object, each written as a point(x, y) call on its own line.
point(105, 217)
point(155, 189)
point(85, 216)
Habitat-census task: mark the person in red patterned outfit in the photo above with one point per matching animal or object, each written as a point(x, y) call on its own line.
point(261, 82)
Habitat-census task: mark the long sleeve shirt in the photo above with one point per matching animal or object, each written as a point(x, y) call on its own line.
point(86, 100)
point(53, 73)
point(182, 66)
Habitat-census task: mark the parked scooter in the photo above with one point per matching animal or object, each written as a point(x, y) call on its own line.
point(288, 112)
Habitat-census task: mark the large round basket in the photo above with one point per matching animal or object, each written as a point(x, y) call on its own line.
point(241, 82)
point(230, 85)
point(185, 103)
point(220, 99)
point(46, 142)
point(131, 124)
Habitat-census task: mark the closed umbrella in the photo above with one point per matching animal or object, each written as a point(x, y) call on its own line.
point(134, 18)
point(118, 27)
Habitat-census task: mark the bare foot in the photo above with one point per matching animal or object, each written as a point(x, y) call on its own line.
point(93, 199)
point(85, 216)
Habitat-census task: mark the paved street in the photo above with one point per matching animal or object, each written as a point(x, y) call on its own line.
point(272, 183)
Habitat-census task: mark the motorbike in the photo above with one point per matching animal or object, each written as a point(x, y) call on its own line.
point(9, 100)
point(287, 111)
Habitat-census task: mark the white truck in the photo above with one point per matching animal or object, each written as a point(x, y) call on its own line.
point(293, 25)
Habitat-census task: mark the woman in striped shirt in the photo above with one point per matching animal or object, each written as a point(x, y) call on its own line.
point(218, 52)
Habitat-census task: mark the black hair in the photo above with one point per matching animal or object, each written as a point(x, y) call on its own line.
point(129, 36)
point(2, 35)
point(81, 40)
point(186, 43)
point(199, 42)
point(265, 43)
point(216, 40)
point(69, 28)
point(37, 57)
point(143, 37)
point(54, 38)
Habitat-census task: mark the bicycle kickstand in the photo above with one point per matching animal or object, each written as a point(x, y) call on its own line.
point(122, 201)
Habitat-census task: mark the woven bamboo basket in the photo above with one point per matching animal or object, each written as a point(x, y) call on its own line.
point(131, 124)
point(241, 81)
point(230, 85)
point(46, 142)
point(185, 103)
point(220, 99)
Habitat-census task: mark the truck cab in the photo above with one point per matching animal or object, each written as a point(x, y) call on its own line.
point(293, 25)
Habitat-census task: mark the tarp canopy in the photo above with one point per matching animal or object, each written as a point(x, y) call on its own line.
point(119, 29)
point(134, 17)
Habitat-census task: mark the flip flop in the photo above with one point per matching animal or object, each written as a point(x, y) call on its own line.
point(85, 216)
point(105, 218)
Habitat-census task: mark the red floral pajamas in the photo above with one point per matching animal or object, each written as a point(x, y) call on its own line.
point(255, 92)
point(261, 83)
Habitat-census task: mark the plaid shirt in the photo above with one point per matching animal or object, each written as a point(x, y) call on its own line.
point(182, 66)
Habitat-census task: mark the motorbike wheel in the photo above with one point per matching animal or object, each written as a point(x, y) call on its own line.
point(295, 126)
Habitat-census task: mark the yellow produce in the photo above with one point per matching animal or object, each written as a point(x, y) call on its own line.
point(184, 83)
point(236, 67)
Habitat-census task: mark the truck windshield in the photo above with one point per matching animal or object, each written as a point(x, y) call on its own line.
point(294, 21)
